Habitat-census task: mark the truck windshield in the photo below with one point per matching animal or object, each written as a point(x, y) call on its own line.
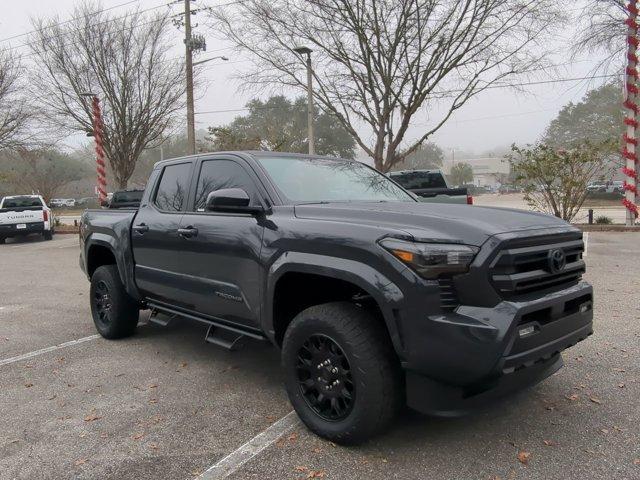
point(414, 180)
point(330, 180)
point(20, 202)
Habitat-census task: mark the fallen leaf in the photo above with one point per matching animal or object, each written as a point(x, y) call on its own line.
point(549, 443)
point(595, 400)
point(621, 385)
point(183, 364)
point(316, 474)
point(153, 400)
point(138, 436)
point(153, 446)
point(79, 462)
point(573, 397)
point(153, 386)
point(28, 385)
point(293, 437)
point(604, 430)
point(636, 461)
point(301, 469)
point(317, 450)
point(523, 457)
point(53, 397)
point(91, 417)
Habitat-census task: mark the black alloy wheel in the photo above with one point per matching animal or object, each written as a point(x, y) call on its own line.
point(324, 376)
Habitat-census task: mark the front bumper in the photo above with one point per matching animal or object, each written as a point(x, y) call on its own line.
point(456, 360)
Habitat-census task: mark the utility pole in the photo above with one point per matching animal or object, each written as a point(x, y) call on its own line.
point(191, 130)
point(629, 151)
point(307, 51)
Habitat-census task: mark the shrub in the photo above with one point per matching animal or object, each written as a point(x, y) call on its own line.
point(603, 220)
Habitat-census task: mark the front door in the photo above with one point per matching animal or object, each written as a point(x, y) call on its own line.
point(222, 258)
point(155, 238)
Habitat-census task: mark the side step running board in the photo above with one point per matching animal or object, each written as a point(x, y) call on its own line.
point(219, 333)
point(159, 318)
point(224, 338)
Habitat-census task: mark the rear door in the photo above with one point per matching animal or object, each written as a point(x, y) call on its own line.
point(221, 262)
point(154, 234)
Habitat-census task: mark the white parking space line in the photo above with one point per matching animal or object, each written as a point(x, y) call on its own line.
point(42, 351)
point(236, 459)
point(586, 244)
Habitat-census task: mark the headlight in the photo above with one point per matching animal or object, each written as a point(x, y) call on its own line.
point(429, 260)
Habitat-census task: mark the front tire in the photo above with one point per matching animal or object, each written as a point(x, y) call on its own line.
point(114, 312)
point(342, 375)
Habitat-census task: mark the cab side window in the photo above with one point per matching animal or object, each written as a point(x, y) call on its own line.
point(171, 195)
point(219, 174)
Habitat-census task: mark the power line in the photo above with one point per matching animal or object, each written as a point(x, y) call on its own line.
point(68, 21)
point(512, 85)
point(66, 33)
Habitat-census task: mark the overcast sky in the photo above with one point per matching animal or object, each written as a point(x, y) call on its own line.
point(496, 118)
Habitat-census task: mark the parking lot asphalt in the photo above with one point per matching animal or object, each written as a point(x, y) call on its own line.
point(163, 404)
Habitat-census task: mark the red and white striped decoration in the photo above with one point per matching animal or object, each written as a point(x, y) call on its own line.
point(100, 165)
point(631, 118)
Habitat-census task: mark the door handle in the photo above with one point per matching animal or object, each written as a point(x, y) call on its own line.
point(142, 228)
point(188, 232)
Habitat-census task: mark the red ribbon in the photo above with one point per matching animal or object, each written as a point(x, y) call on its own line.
point(631, 106)
point(629, 156)
point(632, 8)
point(630, 172)
point(631, 122)
point(630, 187)
point(631, 207)
point(633, 41)
point(632, 72)
point(627, 139)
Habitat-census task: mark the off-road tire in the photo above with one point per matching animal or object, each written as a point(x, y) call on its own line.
point(48, 235)
point(374, 367)
point(117, 315)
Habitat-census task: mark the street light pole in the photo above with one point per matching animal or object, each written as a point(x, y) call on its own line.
point(307, 51)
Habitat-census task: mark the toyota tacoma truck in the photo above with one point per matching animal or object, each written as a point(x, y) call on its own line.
point(374, 299)
point(22, 215)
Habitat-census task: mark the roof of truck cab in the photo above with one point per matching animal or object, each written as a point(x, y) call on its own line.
point(247, 153)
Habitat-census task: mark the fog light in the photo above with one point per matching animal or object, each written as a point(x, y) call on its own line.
point(527, 331)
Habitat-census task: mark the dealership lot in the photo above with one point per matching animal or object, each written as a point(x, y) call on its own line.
point(164, 404)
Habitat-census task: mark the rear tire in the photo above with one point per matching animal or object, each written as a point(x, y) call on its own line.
point(114, 312)
point(48, 235)
point(359, 392)
point(3, 240)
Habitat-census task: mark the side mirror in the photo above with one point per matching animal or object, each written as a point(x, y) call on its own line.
point(230, 200)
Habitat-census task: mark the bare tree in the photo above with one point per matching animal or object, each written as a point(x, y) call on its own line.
point(15, 114)
point(379, 62)
point(125, 61)
point(602, 30)
point(42, 171)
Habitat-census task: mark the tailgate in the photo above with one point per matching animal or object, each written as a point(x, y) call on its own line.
point(16, 216)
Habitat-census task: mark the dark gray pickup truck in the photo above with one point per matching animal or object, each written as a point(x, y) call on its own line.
point(376, 300)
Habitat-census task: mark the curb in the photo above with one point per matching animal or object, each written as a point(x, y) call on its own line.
point(585, 227)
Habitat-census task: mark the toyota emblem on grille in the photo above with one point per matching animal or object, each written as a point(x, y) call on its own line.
point(556, 260)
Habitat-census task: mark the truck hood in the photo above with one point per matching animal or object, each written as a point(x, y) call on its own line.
point(472, 225)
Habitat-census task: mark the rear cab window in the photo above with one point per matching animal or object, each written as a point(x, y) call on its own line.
point(24, 201)
point(173, 188)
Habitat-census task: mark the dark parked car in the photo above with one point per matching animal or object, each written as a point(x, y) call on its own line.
point(126, 199)
point(375, 299)
point(431, 186)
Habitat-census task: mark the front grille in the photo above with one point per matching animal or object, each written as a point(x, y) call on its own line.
point(521, 269)
point(448, 296)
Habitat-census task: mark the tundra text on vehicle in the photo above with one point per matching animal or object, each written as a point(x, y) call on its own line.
point(375, 299)
point(23, 215)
